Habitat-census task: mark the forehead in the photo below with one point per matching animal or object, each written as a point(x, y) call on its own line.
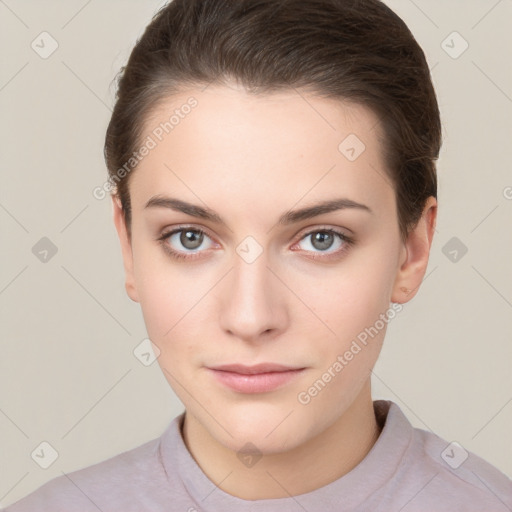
point(223, 140)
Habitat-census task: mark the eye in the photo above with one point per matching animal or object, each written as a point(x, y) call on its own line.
point(324, 241)
point(188, 242)
point(185, 241)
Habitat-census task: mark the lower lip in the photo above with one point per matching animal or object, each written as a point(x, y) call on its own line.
point(258, 383)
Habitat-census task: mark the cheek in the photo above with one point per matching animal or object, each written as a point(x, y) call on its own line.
point(164, 295)
point(350, 298)
point(349, 301)
point(163, 289)
point(158, 299)
point(173, 304)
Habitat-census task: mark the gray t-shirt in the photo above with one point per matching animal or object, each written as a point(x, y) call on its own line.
point(407, 470)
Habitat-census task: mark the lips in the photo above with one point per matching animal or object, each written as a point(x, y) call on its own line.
point(254, 370)
point(261, 378)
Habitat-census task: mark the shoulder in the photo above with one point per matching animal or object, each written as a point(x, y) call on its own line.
point(425, 472)
point(118, 481)
point(448, 477)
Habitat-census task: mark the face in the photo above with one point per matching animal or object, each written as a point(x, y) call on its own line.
point(232, 266)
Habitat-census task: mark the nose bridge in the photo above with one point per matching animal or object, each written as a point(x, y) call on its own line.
point(252, 301)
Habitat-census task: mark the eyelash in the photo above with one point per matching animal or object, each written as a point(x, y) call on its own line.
point(347, 243)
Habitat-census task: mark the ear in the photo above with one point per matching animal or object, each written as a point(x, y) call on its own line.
point(415, 255)
point(126, 248)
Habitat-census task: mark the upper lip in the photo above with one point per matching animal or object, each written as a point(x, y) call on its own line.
point(253, 370)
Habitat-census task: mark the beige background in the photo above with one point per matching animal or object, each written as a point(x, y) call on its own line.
point(68, 375)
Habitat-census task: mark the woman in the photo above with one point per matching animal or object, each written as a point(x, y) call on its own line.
point(272, 169)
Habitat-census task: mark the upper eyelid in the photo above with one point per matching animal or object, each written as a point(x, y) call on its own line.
point(323, 227)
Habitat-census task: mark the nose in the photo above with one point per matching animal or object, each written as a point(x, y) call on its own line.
point(253, 303)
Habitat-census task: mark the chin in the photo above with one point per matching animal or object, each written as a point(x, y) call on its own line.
point(269, 429)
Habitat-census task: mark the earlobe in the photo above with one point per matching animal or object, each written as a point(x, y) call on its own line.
point(126, 248)
point(417, 250)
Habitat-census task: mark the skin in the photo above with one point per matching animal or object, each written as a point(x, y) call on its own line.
point(251, 159)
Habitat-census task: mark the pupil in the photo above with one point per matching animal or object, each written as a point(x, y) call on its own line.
point(322, 240)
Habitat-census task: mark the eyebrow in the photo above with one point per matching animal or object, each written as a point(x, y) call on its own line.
point(289, 217)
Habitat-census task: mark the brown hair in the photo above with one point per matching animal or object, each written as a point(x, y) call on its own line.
point(355, 50)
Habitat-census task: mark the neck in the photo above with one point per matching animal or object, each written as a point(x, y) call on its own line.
point(314, 464)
